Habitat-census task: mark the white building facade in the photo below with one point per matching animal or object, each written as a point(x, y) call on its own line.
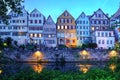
point(82, 29)
point(115, 24)
point(17, 28)
point(35, 27)
point(49, 33)
point(105, 39)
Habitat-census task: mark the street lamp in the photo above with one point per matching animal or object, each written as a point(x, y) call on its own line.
point(0, 71)
point(38, 55)
point(84, 54)
point(113, 53)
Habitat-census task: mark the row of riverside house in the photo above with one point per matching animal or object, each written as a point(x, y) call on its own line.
point(35, 28)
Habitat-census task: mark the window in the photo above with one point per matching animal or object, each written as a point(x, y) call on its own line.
point(62, 27)
point(35, 35)
point(73, 41)
point(65, 27)
point(99, 42)
point(31, 35)
point(98, 34)
point(99, 15)
point(33, 15)
point(80, 32)
point(36, 15)
point(83, 27)
point(99, 22)
point(109, 34)
point(102, 41)
point(83, 22)
point(67, 41)
point(80, 27)
point(35, 21)
point(86, 22)
point(23, 21)
point(39, 21)
point(107, 41)
point(94, 22)
point(102, 34)
point(106, 34)
point(111, 42)
point(31, 21)
point(67, 20)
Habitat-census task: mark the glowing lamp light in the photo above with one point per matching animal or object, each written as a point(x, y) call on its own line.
point(113, 54)
point(84, 68)
point(0, 71)
point(93, 28)
point(112, 67)
point(38, 68)
point(0, 51)
point(5, 44)
point(38, 55)
point(84, 52)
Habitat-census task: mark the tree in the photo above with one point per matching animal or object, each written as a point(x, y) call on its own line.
point(6, 5)
point(8, 41)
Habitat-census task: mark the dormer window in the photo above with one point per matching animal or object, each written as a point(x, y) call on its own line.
point(66, 14)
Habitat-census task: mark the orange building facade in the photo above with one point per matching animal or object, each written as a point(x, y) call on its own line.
point(66, 30)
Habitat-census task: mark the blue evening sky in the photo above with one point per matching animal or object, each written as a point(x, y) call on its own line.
point(75, 7)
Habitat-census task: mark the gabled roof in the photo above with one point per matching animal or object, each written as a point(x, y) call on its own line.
point(81, 15)
point(97, 11)
point(66, 12)
point(116, 14)
point(49, 19)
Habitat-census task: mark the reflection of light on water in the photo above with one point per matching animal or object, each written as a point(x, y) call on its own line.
point(84, 68)
point(37, 67)
point(38, 55)
point(0, 71)
point(112, 67)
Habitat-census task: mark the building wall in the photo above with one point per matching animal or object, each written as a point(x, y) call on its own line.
point(17, 28)
point(83, 29)
point(49, 31)
point(105, 39)
point(66, 30)
point(35, 27)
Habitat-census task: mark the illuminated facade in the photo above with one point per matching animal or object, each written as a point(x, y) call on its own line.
point(98, 21)
point(105, 39)
point(83, 29)
point(115, 24)
point(17, 28)
point(66, 30)
point(35, 27)
point(49, 33)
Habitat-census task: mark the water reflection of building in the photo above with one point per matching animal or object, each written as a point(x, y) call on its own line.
point(37, 67)
point(84, 68)
point(112, 67)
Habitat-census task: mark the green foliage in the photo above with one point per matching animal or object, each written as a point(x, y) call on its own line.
point(6, 5)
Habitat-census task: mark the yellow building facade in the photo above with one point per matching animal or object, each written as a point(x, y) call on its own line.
point(66, 30)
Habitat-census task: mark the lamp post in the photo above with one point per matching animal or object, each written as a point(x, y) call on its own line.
point(84, 54)
point(0, 71)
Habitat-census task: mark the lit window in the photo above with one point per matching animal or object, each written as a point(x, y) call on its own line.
point(58, 27)
point(65, 27)
point(62, 27)
point(40, 35)
point(35, 35)
point(31, 35)
point(49, 36)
